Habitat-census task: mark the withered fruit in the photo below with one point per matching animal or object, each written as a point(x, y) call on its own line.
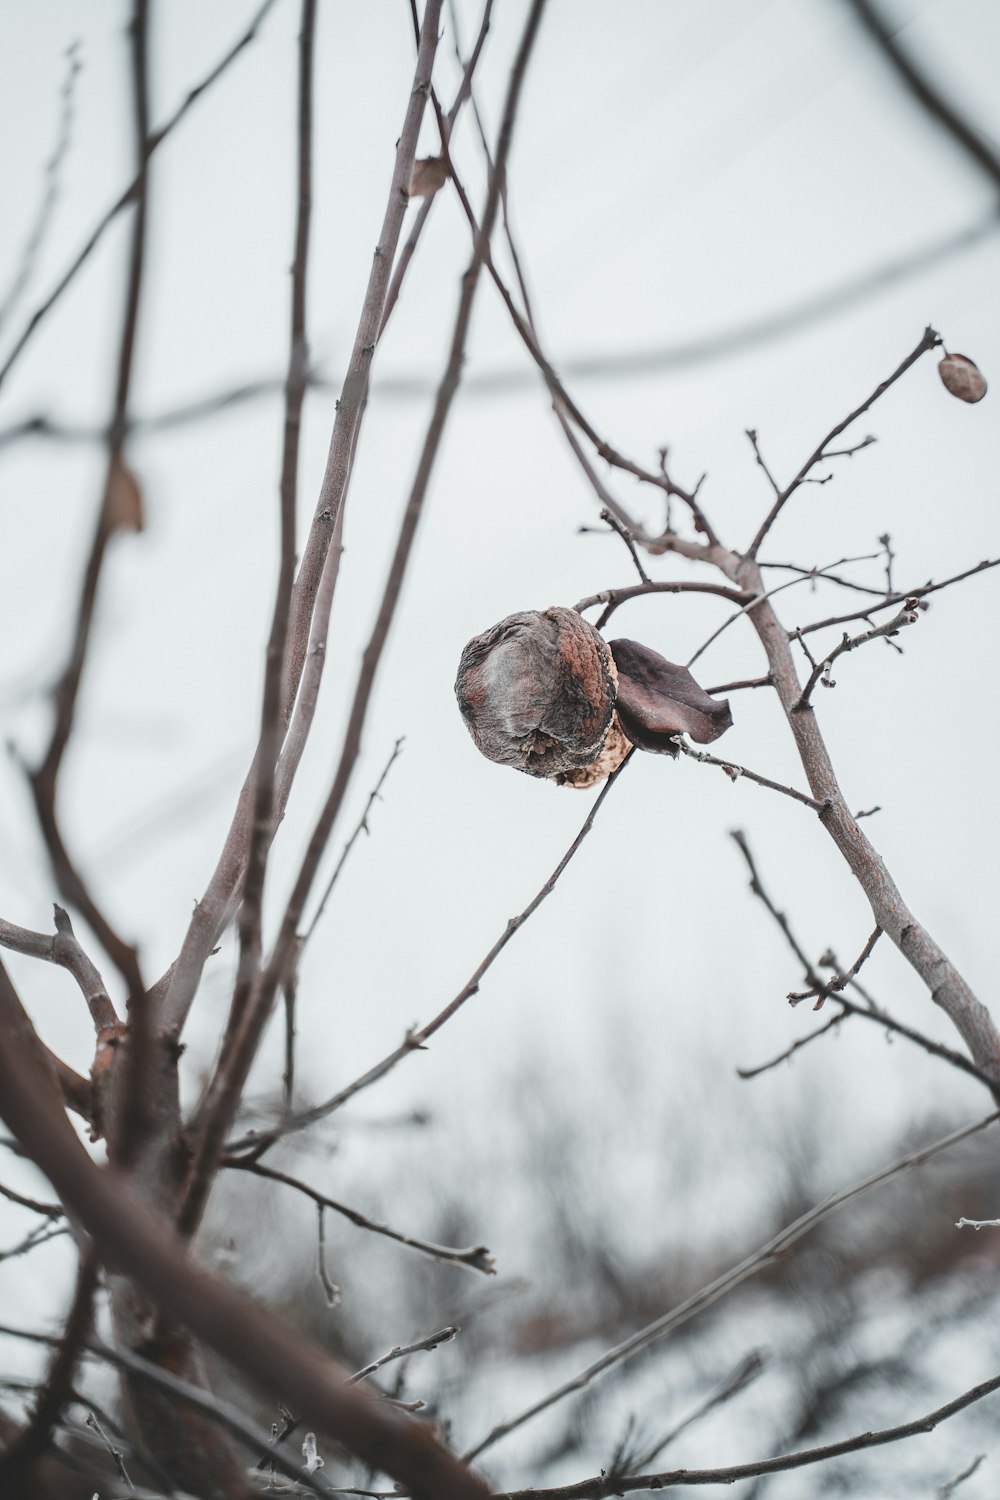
point(543, 692)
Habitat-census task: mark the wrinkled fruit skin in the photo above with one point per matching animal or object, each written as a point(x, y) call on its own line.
point(537, 692)
point(545, 693)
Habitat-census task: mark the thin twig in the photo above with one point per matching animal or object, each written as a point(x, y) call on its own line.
point(330, 1290)
point(930, 340)
point(611, 519)
point(48, 1210)
point(908, 615)
point(272, 725)
point(128, 197)
point(743, 682)
point(361, 827)
point(144, 1249)
point(43, 779)
point(711, 1293)
point(402, 1351)
point(223, 1096)
point(737, 1381)
point(891, 600)
point(839, 981)
point(945, 984)
point(50, 194)
point(316, 578)
point(735, 772)
point(218, 1410)
point(613, 599)
point(815, 980)
point(796, 1046)
point(947, 1490)
point(606, 1484)
point(477, 1258)
point(416, 1039)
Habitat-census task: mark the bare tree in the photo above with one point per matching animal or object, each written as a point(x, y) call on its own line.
point(542, 690)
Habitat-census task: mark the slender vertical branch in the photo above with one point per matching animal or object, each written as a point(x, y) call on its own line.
point(271, 727)
point(224, 1094)
point(215, 908)
point(44, 778)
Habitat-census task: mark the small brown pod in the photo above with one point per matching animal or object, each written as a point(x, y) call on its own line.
point(545, 693)
point(962, 377)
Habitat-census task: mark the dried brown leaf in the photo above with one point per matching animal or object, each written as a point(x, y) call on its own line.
point(658, 699)
point(429, 174)
point(123, 504)
point(962, 378)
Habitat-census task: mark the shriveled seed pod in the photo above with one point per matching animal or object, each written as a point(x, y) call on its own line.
point(962, 378)
point(545, 693)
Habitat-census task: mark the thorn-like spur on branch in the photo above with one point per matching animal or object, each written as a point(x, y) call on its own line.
point(931, 339)
point(839, 981)
point(711, 1293)
point(908, 615)
point(144, 1247)
point(735, 772)
point(604, 1485)
point(64, 949)
point(477, 1258)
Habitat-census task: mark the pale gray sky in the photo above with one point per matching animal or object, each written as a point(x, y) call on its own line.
point(678, 169)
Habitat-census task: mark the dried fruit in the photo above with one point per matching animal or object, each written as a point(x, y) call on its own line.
point(545, 693)
point(962, 378)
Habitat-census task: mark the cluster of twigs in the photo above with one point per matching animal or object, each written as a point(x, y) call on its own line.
point(135, 1219)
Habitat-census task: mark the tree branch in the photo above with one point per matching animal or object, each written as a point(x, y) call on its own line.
point(619, 1484)
point(144, 1247)
point(930, 340)
point(711, 1293)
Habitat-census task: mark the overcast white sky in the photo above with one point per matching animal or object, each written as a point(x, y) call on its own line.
point(678, 170)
